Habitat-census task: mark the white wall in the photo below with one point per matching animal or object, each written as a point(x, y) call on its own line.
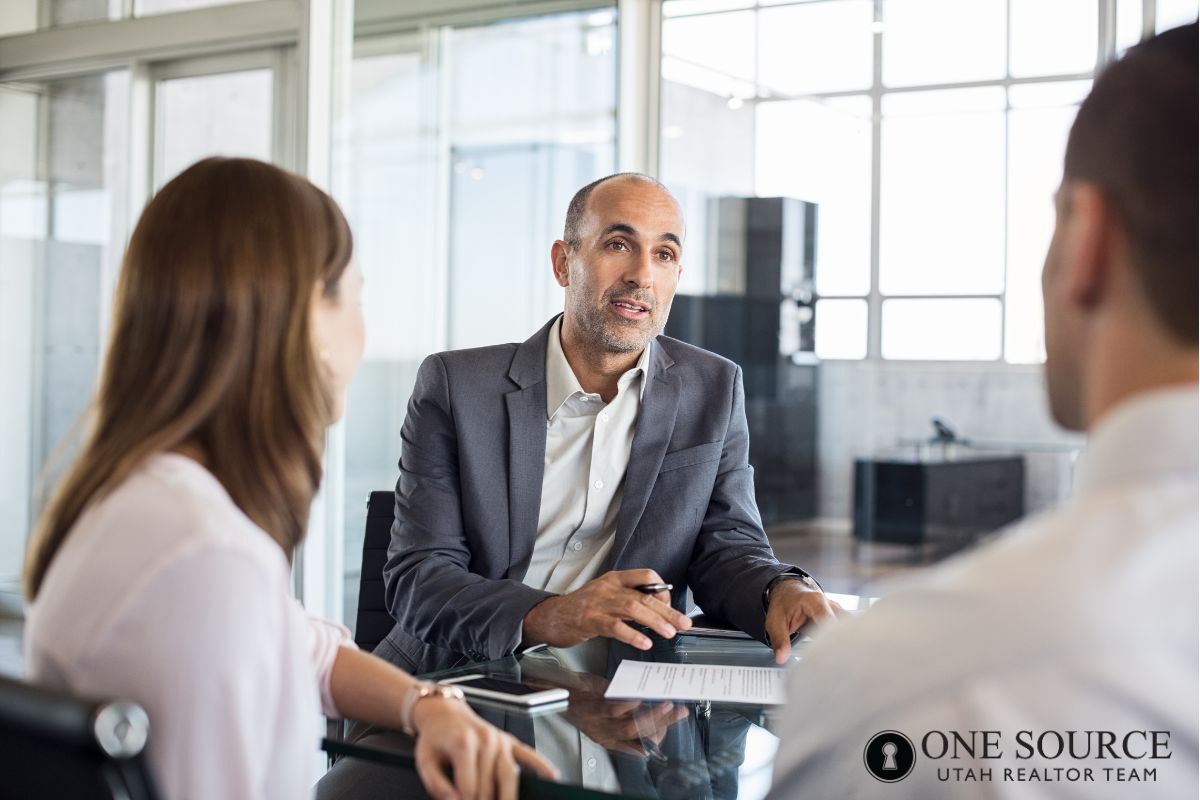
point(865, 407)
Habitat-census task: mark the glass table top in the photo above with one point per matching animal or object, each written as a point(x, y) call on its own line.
point(605, 747)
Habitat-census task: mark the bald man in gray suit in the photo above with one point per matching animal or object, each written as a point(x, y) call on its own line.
point(542, 483)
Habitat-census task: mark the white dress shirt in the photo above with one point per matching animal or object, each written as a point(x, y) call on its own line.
point(587, 453)
point(1083, 619)
point(166, 594)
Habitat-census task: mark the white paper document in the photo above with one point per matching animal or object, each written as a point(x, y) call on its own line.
point(643, 680)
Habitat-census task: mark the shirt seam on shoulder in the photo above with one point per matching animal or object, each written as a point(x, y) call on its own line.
point(159, 565)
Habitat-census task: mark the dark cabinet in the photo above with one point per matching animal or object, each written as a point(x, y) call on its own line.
point(940, 502)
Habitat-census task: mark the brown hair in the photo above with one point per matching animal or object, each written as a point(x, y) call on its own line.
point(1135, 137)
point(211, 346)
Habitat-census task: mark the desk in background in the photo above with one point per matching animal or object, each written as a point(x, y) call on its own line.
point(943, 502)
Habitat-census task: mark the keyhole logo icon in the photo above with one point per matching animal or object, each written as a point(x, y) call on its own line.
point(889, 756)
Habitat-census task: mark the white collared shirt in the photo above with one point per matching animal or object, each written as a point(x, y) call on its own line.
point(587, 453)
point(1083, 619)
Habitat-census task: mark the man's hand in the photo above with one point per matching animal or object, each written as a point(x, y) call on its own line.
point(602, 607)
point(793, 604)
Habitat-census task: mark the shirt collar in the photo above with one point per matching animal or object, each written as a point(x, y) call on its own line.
point(561, 383)
point(1150, 436)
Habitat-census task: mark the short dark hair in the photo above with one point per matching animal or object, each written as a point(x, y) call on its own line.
point(578, 205)
point(1136, 138)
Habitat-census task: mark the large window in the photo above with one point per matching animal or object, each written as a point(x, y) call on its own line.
point(929, 133)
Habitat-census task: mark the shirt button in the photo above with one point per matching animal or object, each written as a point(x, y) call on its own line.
point(604, 416)
point(599, 484)
point(577, 546)
point(591, 763)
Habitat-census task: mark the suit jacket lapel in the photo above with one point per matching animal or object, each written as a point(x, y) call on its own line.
point(655, 424)
point(526, 448)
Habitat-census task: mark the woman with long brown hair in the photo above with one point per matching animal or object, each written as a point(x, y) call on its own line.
point(159, 571)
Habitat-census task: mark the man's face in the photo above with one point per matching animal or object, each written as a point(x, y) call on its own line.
point(621, 276)
point(1064, 333)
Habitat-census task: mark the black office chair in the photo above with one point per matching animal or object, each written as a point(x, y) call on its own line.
point(55, 745)
point(373, 621)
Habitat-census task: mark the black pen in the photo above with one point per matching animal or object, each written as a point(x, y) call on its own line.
point(654, 588)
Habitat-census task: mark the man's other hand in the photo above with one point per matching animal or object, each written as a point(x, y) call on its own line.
point(604, 607)
point(793, 605)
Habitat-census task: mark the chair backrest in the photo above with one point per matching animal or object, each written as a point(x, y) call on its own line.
point(373, 621)
point(56, 745)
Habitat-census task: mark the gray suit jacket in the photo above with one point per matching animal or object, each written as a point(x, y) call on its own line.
point(469, 493)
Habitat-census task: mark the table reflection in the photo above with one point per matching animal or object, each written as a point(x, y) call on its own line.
point(633, 748)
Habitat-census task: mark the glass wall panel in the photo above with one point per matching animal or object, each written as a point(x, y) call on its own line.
point(225, 114)
point(696, 170)
point(65, 216)
point(462, 149)
point(63, 186)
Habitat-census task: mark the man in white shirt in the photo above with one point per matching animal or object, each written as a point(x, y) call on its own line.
point(1061, 660)
point(542, 483)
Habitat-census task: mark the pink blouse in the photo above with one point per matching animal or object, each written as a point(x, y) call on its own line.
point(166, 594)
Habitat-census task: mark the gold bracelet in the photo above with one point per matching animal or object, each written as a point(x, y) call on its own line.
point(420, 691)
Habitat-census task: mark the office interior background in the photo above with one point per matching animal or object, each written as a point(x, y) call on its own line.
point(922, 138)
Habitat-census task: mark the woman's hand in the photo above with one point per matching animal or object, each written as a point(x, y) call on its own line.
point(484, 759)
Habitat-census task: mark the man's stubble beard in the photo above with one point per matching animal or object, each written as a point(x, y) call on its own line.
point(603, 333)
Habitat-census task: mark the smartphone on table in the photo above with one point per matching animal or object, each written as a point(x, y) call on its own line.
point(505, 691)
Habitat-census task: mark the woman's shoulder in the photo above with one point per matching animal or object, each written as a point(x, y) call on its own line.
point(163, 536)
point(172, 503)
point(170, 511)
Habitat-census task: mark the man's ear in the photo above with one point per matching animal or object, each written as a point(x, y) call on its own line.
point(1088, 245)
point(559, 253)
